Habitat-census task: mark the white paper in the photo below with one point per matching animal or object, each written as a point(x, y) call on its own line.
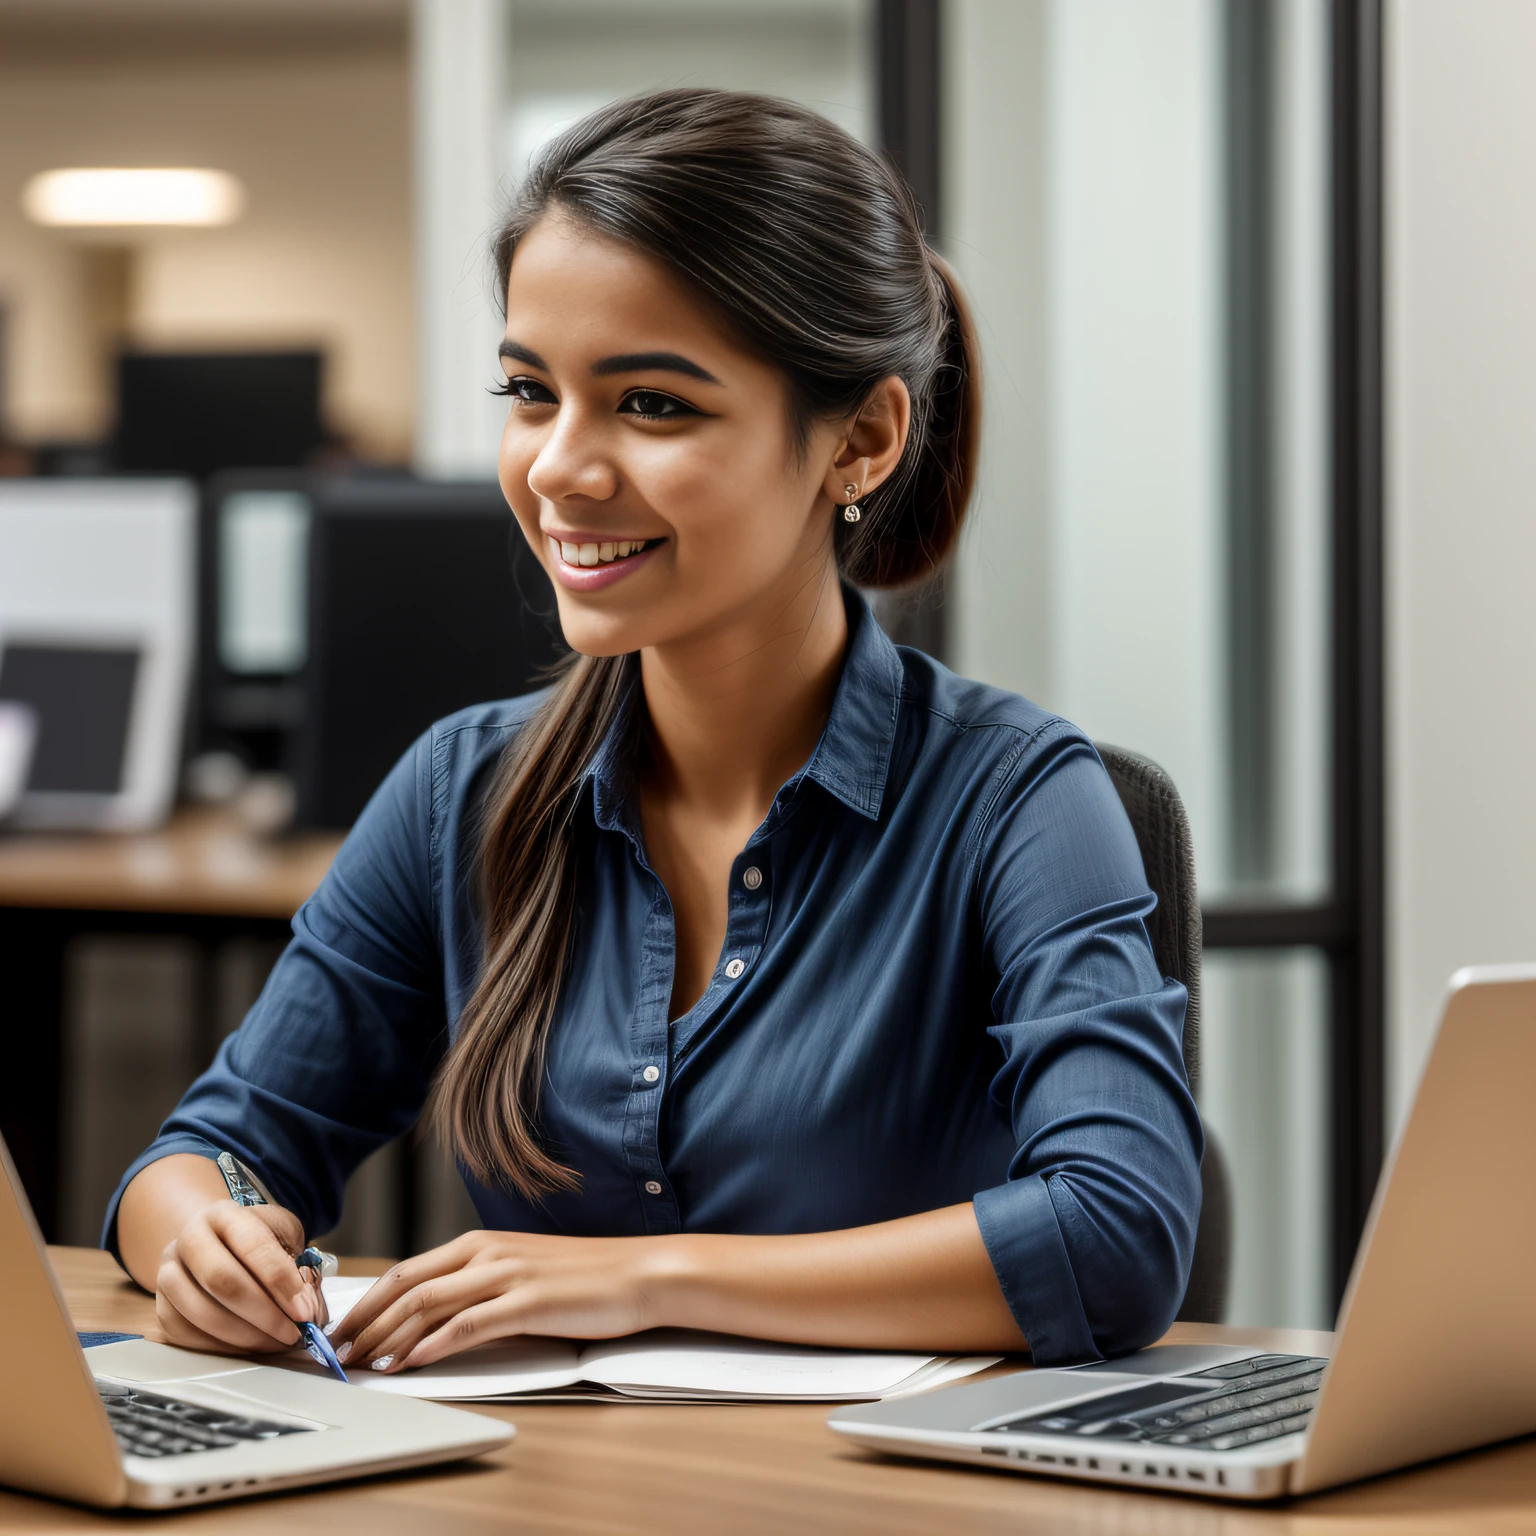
point(679, 1360)
point(667, 1365)
point(942, 1372)
point(343, 1292)
point(519, 1365)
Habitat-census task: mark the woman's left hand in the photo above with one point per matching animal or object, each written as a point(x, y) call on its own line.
point(486, 1286)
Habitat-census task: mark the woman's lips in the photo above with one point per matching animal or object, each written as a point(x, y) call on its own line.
point(591, 578)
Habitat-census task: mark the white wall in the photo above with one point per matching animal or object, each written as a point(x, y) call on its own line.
point(458, 49)
point(1299, 390)
point(1133, 206)
point(569, 56)
point(1082, 215)
point(994, 233)
point(1461, 503)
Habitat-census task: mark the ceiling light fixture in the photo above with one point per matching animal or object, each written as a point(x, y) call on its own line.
point(101, 196)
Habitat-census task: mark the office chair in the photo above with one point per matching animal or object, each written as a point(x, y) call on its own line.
point(1168, 854)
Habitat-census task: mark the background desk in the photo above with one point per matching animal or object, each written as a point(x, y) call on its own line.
point(579, 1468)
point(201, 876)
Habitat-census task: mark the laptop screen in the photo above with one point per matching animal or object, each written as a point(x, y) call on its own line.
point(83, 696)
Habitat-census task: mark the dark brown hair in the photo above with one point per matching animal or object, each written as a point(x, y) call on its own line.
point(809, 249)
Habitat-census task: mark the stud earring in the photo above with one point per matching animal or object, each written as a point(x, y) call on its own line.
point(851, 513)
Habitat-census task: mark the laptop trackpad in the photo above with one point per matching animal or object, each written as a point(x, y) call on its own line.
point(139, 1360)
point(971, 1405)
point(1170, 1360)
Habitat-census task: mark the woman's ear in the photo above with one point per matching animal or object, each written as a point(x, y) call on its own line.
point(873, 444)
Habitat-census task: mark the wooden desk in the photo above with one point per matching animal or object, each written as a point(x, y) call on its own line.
point(579, 1468)
point(200, 876)
point(200, 862)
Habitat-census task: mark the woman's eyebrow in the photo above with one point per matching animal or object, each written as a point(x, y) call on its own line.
point(642, 362)
point(624, 362)
point(521, 354)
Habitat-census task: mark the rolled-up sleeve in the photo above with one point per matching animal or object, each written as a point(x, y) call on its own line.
point(1093, 1233)
point(335, 1056)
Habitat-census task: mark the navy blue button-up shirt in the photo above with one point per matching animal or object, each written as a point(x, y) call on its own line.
point(936, 986)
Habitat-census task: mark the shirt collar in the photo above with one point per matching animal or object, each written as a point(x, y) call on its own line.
point(852, 759)
point(612, 769)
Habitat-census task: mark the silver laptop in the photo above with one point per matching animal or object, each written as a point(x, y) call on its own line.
point(1435, 1350)
point(143, 1424)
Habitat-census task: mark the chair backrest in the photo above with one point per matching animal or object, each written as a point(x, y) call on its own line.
point(1168, 855)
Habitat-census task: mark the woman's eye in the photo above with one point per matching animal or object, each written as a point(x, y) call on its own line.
point(654, 405)
point(526, 391)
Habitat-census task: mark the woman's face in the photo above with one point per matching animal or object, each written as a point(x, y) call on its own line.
point(647, 456)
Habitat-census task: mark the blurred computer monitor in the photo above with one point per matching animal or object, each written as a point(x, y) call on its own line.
point(341, 616)
point(194, 413)
point(96, 641)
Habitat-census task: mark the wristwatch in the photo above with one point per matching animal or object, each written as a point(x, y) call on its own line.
point(246, 1189)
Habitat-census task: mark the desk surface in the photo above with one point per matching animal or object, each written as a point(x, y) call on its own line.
point(201, 862)
point(580, 1468)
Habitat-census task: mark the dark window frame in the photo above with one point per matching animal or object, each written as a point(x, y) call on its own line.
point(908, 70)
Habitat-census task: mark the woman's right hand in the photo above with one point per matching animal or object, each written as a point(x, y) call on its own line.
point(228, 1284)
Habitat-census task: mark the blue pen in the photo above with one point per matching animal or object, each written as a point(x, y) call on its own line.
point(243, 1190)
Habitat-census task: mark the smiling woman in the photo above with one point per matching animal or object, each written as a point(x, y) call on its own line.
point(764, 977)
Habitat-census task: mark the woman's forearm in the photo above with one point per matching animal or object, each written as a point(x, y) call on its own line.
point(923, 1282)
point(158, 1204)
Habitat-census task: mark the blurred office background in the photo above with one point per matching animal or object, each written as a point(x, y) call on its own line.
point(1170, 217)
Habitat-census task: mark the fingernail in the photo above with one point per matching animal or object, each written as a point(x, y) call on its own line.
point(344, 1353)
point(383, 1363)
point(331, 1328)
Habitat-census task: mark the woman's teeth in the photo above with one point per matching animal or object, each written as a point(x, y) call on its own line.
point(598, 554)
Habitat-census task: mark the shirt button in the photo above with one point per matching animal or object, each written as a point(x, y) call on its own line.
point(734, 968)
point(651, 1074)
point(752, 878)
point(653, 1186)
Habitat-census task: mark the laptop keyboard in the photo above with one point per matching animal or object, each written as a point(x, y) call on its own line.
point(1217, 1410)
point(147, 1424)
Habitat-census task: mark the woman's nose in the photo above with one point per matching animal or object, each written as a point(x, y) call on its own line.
point(570, 463)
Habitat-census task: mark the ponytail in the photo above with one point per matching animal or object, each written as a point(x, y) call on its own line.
point(485, 1099)
point(911, 523)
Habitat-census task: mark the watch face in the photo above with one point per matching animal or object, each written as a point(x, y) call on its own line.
point(240, 1187)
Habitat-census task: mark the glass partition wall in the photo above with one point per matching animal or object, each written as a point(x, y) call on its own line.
point(567, 57)
point(1162, 209)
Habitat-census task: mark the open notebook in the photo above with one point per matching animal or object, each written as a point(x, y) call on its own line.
point(667, 1365)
